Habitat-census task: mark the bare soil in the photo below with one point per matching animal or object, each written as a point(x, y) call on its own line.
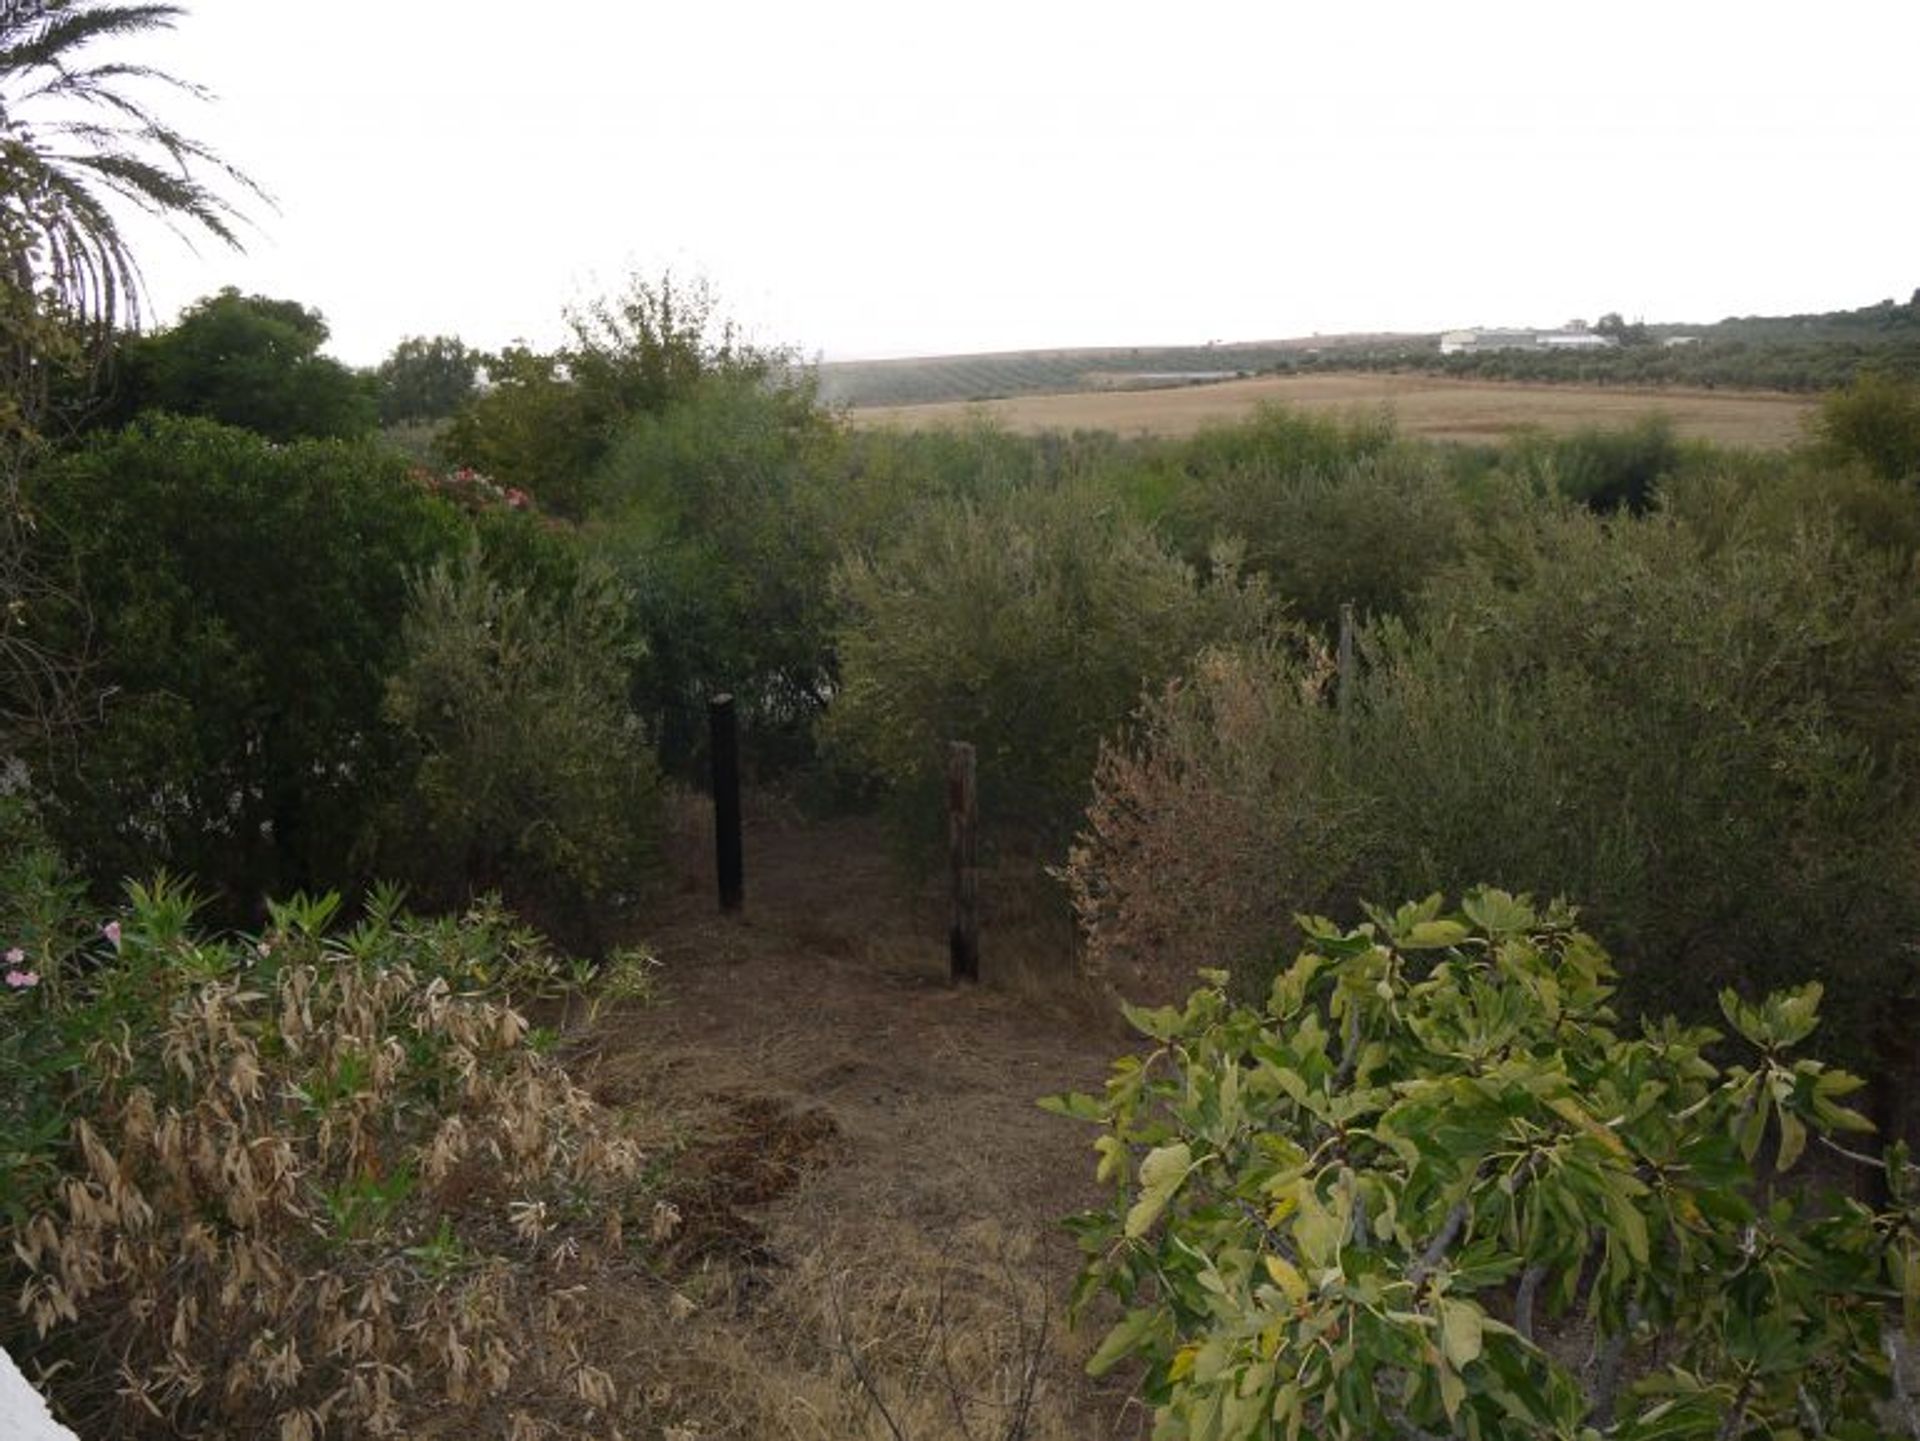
point(863, 1237)
point(1435, 407)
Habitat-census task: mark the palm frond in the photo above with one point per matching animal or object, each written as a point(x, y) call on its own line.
point(62, 174)
point(92, 86)
point(36, 35)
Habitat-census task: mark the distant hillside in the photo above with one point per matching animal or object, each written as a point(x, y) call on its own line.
point(926, 380)
point(1756, 352)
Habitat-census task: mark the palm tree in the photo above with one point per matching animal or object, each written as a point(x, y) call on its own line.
point(75, 141)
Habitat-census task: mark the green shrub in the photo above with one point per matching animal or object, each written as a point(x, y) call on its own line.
point(241, 601)
point(1367, 532)
point(1603, 469)
point(718, 514)
point(546, 421)
point(1215, 481)
point(1876, 420)
point(533, 777)
point(1429, 1177)
point(1028, 626)
point(1278, 444)
point(1697, 723)
point(885, 475)
point(42, 922)
point(531, 426)
point(314, 1182)
point(1701, 737)
point(1330, 509)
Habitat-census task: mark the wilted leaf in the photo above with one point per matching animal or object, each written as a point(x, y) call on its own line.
point(1160, 1176)
point(1075, 1105)
point(1460, 1331)
point(1793, 1140)
point(1287, 1277)
point(1316, 1231)
point(1433, 935)
point(1121, 1341)
point(1453, 1391)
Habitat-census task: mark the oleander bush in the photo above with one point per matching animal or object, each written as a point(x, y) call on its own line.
point(320, 1181)
point(1430, 1187)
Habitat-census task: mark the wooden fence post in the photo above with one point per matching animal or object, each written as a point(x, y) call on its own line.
point(1343, 683)
point(963, 818)
point(724, 730)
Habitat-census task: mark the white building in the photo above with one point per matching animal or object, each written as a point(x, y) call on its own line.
point(1475, 342)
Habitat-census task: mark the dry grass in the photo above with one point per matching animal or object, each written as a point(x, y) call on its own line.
point(1429, 406)
point(802, 1192)
point(871, 1194)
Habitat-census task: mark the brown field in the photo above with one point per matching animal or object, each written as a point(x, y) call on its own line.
point(1429, 406)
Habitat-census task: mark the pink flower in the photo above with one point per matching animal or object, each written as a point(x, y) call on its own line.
point(516, 497)
point(22, 980)
point(111, 930)
point(16, 958)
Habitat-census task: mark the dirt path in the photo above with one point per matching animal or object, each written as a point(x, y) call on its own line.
point(867, 1197)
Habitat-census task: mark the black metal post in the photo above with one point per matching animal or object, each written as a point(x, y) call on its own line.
point(724, 728)
point(963, 824)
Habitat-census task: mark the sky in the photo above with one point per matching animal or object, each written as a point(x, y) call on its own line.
point(860, 179)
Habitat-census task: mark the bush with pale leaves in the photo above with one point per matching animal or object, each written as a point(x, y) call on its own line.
point(315, 1185)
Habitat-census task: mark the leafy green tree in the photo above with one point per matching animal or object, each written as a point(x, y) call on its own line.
point(1405, 1195)
point(249, 361)
point(1698, 722)
point(426, 379)
point(719, 515)
point(544, 422)
point(530, 427)
point(245, 600)
point(1614, 327)
point(636, 353)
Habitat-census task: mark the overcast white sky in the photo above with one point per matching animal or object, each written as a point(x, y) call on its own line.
point(861, 178)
